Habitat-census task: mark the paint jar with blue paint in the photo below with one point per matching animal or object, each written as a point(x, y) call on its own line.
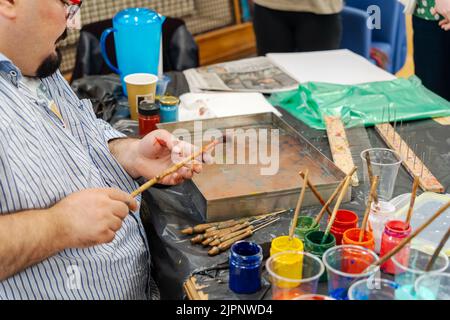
point(168, 108)
point(245, 267)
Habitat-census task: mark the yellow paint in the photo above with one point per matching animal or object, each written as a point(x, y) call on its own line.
point(287, 265)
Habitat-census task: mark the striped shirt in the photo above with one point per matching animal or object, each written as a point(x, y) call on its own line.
point(47, 154)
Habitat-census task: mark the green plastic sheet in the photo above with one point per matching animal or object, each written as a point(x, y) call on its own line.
point(364, 104)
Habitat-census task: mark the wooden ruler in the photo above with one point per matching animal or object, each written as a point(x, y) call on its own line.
point(193, 291)
point(445, 121)
point(340, 148)
point(428, 182)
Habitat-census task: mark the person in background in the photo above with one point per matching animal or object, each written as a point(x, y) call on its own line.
point(431, 22)
point(297, 25)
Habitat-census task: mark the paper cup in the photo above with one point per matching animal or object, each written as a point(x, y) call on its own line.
point(140, 87)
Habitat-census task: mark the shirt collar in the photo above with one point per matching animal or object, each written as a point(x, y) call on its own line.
point(8, 67)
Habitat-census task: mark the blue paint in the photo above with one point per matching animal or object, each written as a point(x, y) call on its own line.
point(168, 109)
point(339, 294)
point(245, 267)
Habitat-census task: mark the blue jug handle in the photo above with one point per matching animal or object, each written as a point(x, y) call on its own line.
point(105, 35)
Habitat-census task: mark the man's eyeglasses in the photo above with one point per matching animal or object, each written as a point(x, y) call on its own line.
point(72, 7)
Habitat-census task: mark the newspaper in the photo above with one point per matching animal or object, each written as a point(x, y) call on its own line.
point(248, 75)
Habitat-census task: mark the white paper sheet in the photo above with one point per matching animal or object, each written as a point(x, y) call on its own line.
point(222, 105)
point(335, 66)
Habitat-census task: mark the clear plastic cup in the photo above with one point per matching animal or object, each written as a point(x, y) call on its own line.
point(373, 289)
point(407, 271)
point(385, 165)
point(433, 286)
point(161, 85)
point(294, 273)
point(345, 265)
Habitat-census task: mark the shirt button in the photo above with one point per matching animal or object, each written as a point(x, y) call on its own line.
point(13, 75)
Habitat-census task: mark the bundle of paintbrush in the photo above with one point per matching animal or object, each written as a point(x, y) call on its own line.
point(221, 235)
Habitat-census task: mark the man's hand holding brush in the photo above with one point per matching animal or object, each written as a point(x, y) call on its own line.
point(156, 152)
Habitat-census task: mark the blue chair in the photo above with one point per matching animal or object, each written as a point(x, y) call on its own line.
point(356, 36)
point(391, 38)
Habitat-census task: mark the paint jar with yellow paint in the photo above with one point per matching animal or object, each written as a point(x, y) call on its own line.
point(293, 274)
point(292, 268)
point(284, 243)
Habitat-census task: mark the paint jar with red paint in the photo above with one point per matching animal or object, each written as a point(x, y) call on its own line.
point(380, 214)
point(351, 236)
point(345, 219)
point(148, 117)
point(394, 232)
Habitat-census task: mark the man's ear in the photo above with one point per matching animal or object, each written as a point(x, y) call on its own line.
point(8, 9)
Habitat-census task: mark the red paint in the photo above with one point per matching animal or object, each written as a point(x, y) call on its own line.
point(345, 219)
point(161, 142)
point(147, 124)
point(354, 262)
point(286, 294)
point(394, 232)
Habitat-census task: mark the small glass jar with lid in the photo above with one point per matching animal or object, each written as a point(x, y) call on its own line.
point(169, 108)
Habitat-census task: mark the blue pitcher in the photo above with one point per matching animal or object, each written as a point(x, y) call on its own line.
point(137, 35)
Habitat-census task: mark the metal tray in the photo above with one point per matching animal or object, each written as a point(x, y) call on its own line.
point(225, 191)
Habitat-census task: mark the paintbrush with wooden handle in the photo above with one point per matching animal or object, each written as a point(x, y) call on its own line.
point(224, 237)
point(373, 188)
point(413, 199)
point(370, 172)
point(208, 237)
point(176, 167)
point(227, 244)
point(331, 199)
point(205, 226)
point(437, 251)
point(316, 192)
point(299, 206)
point(336, 208)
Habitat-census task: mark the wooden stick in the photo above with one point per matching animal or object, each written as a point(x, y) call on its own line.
point(316, 192)
point(299, 205)
point(437, 251)
point(373, 189)
point(331, 199)
point(412, 236)
point(369, 169)
point(413, 199)
point(174, 168)
point(336, 208)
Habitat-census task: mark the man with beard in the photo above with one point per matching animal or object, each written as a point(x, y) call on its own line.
point(69, 228)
